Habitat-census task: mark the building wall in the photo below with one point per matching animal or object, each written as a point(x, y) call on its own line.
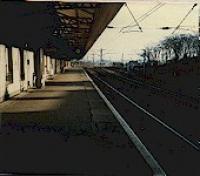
point(29, 64)
point(9, 89)
point(28, 82)
point(32, 71)
point(43, 58)
point(14, 88)
point(2, 72)
point(57, 67)
point(48, 65)
point(53, 66)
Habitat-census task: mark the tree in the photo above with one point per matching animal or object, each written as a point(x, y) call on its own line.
point(174, 43)
point(196, 45)
point(182, 46)
point(146, 54)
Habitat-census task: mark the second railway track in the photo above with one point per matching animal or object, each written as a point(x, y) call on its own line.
point(172, 144)
point(183, 99)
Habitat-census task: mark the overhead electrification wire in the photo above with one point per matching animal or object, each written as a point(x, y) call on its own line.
point(178, 26)
point(137, 23)
point(141, 16)
point(163, 28)
point(145, 15)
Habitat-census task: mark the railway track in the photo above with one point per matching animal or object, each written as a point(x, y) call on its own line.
point(170, 145)
point(183, 99)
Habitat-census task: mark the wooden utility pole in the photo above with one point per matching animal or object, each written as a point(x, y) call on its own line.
point(101, 56)
point(93, 59)
point(122, 59)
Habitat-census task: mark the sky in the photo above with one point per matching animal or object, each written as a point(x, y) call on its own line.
point(130, 43)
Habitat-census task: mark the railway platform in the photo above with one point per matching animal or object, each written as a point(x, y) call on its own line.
point(65, 129)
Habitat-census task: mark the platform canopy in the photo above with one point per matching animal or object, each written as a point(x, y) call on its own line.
point(64, 30)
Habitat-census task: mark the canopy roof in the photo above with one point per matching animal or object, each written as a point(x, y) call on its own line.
point(64, 30)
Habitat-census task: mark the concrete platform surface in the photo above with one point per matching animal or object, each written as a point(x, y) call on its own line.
point(65, 128)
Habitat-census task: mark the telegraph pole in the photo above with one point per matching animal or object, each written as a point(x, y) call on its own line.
point(101, 56)
point(93, 59)
point(122, 59)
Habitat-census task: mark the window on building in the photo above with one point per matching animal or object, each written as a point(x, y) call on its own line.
point(22, 71)
point(9, 74)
